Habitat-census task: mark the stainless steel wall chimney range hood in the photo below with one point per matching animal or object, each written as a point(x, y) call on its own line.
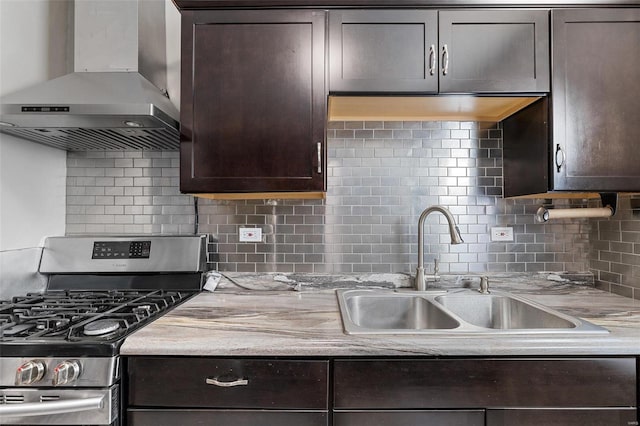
point(106, 103)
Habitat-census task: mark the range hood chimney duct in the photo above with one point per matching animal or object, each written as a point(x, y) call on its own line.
point(116, 98)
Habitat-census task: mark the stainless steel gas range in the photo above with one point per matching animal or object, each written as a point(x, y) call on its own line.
point(59, 362)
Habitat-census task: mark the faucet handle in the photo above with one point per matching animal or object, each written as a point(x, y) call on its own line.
point(484, 285)
point(436, 269)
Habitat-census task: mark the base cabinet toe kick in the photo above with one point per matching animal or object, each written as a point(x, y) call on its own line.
point(383, 392)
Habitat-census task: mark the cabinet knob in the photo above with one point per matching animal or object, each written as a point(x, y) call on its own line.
point(560, 158)
point(445, 60)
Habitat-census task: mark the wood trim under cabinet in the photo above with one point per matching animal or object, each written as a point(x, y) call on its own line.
point(264, 196)
point(429, 108)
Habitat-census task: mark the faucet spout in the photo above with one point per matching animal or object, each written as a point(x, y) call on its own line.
point(456, 238)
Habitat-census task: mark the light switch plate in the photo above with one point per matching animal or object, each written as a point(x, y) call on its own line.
point(250, 235)
point(502, 234)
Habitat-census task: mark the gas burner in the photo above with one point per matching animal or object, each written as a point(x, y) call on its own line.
point(142, 311)
point(101, 327)
point(51, 322)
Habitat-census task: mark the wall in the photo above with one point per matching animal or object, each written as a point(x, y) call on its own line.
point(615, 249)
point(381, 175)
point(33, 48)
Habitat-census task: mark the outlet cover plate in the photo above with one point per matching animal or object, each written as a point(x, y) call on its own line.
point(250, 235)
point(502, 234)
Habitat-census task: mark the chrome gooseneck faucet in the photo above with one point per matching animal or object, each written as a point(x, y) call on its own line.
point(421, 283)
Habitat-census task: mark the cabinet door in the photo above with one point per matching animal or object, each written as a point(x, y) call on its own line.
point(381, 51)
point(563, 417)
point(596, 99)
point(253, 101)
point(143, 417)
point(494, 51)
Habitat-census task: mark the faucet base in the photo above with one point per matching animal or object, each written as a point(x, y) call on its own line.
point(422, 280)
point(420, 284)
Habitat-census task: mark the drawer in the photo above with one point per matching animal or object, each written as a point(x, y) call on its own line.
point(139, 417)
point(567, 417)
point(504, 383)
point(394, 418)
point(227, 383)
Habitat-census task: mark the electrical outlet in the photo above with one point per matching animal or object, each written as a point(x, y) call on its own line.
point(250, 235)
point(502, 234)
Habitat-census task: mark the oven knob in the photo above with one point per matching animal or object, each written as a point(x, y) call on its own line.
point(30, 372)
point(66, 372)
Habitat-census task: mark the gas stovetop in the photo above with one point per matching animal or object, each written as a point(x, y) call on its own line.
point(92, 323)
point(99, 290)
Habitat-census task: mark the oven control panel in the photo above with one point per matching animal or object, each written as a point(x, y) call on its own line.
point(58, 372)
point(121, 249)
point(124, 254)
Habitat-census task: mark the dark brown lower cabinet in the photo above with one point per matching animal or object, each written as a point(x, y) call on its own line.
point(203, 391)
point(563, 417)
point(142, 417)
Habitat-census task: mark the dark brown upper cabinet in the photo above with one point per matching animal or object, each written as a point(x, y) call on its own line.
point(253, 101)
point(383, 51)
point(428, 52)
point(596, 100)
point(494, 51)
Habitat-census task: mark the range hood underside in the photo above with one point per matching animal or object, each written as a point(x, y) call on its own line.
point(83, 139)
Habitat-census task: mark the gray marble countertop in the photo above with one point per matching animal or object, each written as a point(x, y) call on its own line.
point(297, 315)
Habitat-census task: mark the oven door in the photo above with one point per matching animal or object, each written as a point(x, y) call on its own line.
point(33, 406)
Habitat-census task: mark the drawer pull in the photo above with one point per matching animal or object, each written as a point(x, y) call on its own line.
point(216, 382)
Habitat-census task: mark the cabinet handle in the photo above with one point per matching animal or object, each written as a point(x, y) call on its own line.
point(216, 382)
point(319, 147)
point(432, 59)
point(445, 60)
point(560, 158)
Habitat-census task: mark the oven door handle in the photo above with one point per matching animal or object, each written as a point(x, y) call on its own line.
point(29, 409)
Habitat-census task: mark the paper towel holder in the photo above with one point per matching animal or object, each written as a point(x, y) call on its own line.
point(609, 206)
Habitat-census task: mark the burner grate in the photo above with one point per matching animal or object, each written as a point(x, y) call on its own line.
point(63, 315)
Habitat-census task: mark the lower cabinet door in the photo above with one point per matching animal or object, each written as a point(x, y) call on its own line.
point(563, 417)
point(409, 418)
point(187, 417)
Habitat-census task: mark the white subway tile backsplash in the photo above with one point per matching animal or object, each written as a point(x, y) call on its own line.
point(381, 176)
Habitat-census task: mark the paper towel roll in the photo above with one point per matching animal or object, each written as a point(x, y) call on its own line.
point(543, 214)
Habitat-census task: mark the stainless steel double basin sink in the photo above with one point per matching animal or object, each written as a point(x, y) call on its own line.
point(460, 311)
